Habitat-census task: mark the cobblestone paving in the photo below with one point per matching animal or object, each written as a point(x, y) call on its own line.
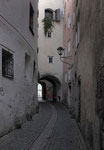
point(66, 134)
point(51, 129)
point(42, 140)
point(22, 138)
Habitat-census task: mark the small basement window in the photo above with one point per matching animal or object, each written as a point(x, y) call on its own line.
point(7, 64)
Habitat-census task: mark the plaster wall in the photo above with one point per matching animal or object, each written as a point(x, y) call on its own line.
point(67, 36)
point(18, 95)
point(87, 59)
point(48, 46)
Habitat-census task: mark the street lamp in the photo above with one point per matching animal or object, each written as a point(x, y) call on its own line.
point(60, 51)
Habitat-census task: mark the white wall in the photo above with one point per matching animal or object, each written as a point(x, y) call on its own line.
point(47, 46)
point(20, 94)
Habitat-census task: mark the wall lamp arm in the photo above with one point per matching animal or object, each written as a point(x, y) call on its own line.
point(66, 57)
point(71, 65)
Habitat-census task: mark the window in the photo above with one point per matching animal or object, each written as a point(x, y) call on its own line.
point(27, 66)
point(76, 3)
point(50, 59)
point(49, 13)
point(65, 77)
point(31, 20)
point(49, 34)
point(7, 64)
point(69, 75)
point(63, 12)
point(53, 15)
point(39, 91)
point(57, 15)
point(68, 46)
point(77, 35)
point(69, 21)
point(73, 19)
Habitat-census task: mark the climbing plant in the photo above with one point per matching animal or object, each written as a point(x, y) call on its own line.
point(48, 24)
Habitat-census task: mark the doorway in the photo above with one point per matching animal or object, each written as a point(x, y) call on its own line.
point(39, 92)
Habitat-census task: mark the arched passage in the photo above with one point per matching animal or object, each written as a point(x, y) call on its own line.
point(53, 86)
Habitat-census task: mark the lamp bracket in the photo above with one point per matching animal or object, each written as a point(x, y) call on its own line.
point(66, 57)
point(71, 65)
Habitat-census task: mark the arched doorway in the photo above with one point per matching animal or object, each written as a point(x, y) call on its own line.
point(52, 90)
point(43, 84)
point(39, 92)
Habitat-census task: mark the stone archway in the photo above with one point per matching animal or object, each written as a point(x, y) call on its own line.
point(56, 85)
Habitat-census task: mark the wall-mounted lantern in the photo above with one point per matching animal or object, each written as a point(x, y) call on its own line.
point(60, 51)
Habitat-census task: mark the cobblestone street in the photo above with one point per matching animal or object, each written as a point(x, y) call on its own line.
point(51, 129)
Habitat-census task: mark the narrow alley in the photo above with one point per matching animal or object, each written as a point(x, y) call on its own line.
point(51, 75)
point(50, 129)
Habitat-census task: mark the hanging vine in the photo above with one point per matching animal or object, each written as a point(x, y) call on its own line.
point(48, 25)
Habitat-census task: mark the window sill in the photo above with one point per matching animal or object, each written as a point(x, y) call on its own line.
point(8, 76)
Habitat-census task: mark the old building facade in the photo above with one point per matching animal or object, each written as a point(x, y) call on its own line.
point(18, 62)
point(87, 71)
point(50, 67)
point(67, 56)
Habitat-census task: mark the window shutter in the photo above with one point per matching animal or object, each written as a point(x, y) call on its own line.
point(53, 15)
point(57, 15)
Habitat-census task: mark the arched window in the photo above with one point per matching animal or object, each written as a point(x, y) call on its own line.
point(49, 13)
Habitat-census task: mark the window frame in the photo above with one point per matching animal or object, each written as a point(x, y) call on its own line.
point(69, 21)
point(34, 70)
point(52, 59)
point(27, 66)
point(7, 64)
point(77, 30)
point(69, 75)
point(66, 77)
point(49, 11)
point(51, 34)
